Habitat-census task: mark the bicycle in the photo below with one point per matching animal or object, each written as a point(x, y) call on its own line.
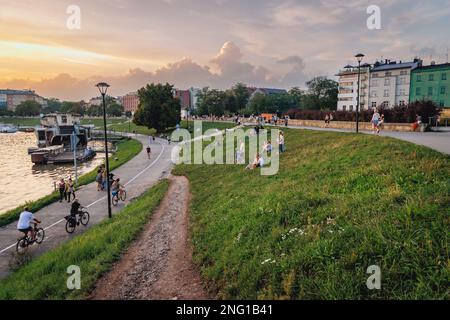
point(73, 221)
point(120, 195)
point(26, 241)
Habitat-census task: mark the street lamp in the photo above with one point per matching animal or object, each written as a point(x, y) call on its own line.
point(359, 57)
point(103, 88)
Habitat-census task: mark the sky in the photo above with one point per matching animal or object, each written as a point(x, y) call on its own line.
point(214, 43)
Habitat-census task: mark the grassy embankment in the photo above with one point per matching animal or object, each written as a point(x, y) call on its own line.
point(94, 251)
point(126, 150)
point(339, 204)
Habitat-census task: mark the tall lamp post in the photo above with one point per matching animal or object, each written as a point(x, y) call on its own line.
point(103, 88)
point(359, 57)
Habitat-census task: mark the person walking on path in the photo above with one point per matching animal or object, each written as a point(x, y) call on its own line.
point(327, 120)
point(149, 151)
point(70, 189)
point(62, 190)
point(375, 121)
point(281, 142)
point(99, 179)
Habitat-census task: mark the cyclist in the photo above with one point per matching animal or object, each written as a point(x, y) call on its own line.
point(116, 186)
point(24, 224)
point(75, 209)
point(149, 151)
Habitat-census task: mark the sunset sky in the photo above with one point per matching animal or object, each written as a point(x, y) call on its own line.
point(200, 43)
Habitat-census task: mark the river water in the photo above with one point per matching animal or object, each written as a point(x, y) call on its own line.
point(21, 180)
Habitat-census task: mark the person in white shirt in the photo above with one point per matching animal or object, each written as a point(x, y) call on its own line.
point(24, 224)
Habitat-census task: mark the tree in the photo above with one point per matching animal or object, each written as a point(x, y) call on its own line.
point(296, 94)
point(53, 105)
point(240, 91)
point(158, 108)
point(322, 94)
point(28, 108)
point(114, 109)
point(231, 103)
point(260, 103)
point(211, 102)
point(73, 107)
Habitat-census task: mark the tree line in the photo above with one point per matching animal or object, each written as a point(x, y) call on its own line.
point(321, 94)
point(33, 108)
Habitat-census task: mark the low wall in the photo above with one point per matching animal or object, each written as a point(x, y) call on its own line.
point(350, 125)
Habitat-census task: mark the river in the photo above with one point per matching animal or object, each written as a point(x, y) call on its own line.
point(21, 180)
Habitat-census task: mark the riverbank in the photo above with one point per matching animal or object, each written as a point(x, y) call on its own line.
point(340, 203)
point(126, 150)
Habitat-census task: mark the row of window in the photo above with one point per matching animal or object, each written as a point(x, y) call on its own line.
point(387, 82)
point(431, 77)
point(389, 74)
point(430, 92)
point(387, 93)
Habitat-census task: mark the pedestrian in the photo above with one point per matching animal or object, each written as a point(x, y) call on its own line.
point(70, 189)
point(417, 123)
point(104, 180)
point(149, 150)
point(99, 179)
point(380, 123)
point(375, 120)
point(62, 190)
point(327, 120)
point(281, 142)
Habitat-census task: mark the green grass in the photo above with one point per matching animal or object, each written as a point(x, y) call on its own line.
point(94, 251)
point(206, 125)
point(130, 127)
point(126, 150)
point(339, 204)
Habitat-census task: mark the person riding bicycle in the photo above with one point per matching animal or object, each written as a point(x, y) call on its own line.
point(24, 225)
point(116, 186)
point(75, 209)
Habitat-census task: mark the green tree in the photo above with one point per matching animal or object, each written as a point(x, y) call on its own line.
point(53, 105)
point(231, 104)
point(114, 109)
point(296, 94)
point(28, 108)
point(260, 103)
point(73, 107)
point(240, 91)
point(158, 108)
point(211, 102)
point(323, 94)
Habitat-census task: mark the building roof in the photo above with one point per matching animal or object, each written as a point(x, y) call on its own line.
point(433, 66)
point(270, 91)
point(394, 65)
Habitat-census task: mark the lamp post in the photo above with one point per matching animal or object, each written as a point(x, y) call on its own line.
point(359, 57)
point(103, 88)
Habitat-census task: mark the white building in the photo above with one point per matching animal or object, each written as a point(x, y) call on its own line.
point(390, 82)
point(193, 96)
point(348, 89)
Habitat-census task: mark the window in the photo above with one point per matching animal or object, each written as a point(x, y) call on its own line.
point(385, 104)
point(441, 103)
point(419, 78)
point(402, 92)
point(387, 82)
point(350, 108)
point(402, 102)
point(402, 80)
point(386, 93)
point(388, 74)
point(418, 91)
point(375, 75)
point(374, 104)
point(403, 73)
point(442, 90)
point(430, 91)
point(375, 83)
point(431, 77)
point(374, 94)
point(444, 76)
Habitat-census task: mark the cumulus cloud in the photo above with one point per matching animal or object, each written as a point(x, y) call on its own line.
point(183, 74)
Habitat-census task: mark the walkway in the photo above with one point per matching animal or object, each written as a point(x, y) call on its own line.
point(138, 175)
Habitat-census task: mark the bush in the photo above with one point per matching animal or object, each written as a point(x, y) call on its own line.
point(397, 114)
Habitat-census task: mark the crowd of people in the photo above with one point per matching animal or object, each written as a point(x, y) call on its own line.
point(267, 148)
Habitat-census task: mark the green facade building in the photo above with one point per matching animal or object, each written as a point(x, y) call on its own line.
point(431, 83)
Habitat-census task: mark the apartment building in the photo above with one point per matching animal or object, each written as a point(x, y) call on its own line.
point(390, 83)
point(348, 88)
point(10, 99)
point(130, 102)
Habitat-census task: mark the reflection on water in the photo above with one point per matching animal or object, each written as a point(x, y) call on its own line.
point(23, 181)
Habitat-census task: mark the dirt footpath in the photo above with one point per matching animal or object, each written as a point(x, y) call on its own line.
point(158, 265)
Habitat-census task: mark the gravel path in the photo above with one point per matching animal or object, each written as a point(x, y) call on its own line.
point(158, 265)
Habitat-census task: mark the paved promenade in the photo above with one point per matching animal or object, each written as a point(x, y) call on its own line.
point(137, 175)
